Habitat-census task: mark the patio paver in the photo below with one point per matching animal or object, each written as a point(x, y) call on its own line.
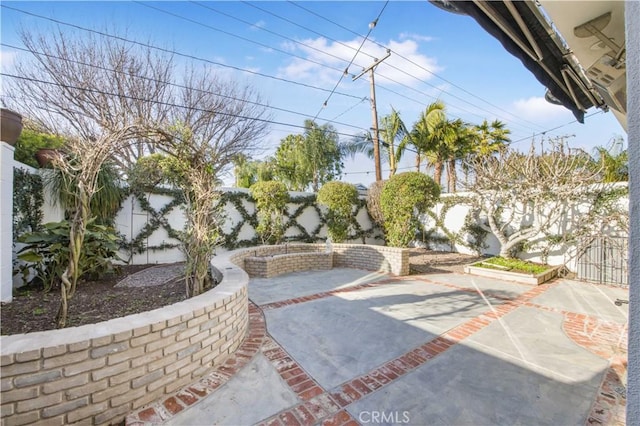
point(430, 349)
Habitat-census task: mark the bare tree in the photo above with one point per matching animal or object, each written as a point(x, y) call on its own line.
point(216, 121)
point(527, 195)
point(96, 93)
point(84, 86)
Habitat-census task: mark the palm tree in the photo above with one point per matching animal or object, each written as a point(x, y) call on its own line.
point(244, 171)
point(491, 138)
point(461, 138)
point(424, 134)
point(393, 130)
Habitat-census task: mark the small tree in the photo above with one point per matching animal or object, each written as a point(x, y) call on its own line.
point(216, 120)
point(526, 195)
point(310, 159)
point(340, 199)
point(95, 92)
point(404, 196)
point(271, 199)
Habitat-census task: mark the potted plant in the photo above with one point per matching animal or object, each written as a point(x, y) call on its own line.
point(10, 126)
point(44, 156)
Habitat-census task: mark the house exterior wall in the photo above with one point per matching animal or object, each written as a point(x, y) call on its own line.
point(632, 25)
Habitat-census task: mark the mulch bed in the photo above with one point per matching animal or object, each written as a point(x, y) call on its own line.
point(423, 261)
point(34, 310)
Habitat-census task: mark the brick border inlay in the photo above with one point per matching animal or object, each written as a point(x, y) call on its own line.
point(163, 410)
point(328, 406)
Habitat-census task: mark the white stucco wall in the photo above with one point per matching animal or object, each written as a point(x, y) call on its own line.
point(6, 221)
point(632, 18)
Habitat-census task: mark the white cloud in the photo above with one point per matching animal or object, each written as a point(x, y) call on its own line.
point(416, 37)
point(7, 59)
point(258, 25)
point(538, 110)
point(325, 53)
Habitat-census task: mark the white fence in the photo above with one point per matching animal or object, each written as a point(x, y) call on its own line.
point(446, 227)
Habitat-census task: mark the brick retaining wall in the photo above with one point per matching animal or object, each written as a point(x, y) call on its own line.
point(97, 374)
point(100, 373)
point(372, 258)
point(271, 266)
point(269, 261)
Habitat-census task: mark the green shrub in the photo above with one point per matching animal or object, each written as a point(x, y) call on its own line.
point(340, 199)
point(31, 141)
point(271, 199)
point(147, 172)
point(28, 199)
point(515, 265)
point(47, 252)
point(403, 197)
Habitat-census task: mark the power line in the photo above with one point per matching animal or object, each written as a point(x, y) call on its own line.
point(246, 70)
point(347, 110)
point(173, 52)
point(171, 84)
point(554, 128)
point(305, 28)
point(274, 33)
point(372, 25)
point(207, 60)
point(170, 104)
point(193, 21)
point(419, 66)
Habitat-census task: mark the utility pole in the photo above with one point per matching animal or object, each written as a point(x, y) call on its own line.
point(374, 113)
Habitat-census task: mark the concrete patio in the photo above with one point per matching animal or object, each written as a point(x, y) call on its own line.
point(346, 346)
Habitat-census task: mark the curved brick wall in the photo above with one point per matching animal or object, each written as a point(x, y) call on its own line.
point(99, 373)
point(277, 259)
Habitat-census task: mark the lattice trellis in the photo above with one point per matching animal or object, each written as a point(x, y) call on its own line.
point(296, 231)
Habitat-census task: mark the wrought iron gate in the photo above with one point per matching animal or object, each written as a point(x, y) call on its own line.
point(604, 260)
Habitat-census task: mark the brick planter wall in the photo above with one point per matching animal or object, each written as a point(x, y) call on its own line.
point(269, 261)
point(372, 258)
point(271, 266)
point(99, 373)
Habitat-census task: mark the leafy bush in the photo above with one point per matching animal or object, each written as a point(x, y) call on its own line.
point(271, 199)
point(30, 141)
point(47, 252)
point(515, 265)
point(339, 198)
point(27, 202)
point(404, 196)
point(147, 172)
point(106, 201)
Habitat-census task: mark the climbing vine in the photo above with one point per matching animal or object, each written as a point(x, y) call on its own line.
point(472, 234)
point(28, 200)
point(157, 220)
point(297, 207)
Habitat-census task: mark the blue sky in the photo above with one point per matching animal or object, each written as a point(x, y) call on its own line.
point(435, 55)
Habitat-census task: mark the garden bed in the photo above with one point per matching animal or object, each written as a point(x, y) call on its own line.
point(513, 270)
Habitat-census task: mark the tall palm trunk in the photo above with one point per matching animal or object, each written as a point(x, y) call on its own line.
point(418, 160)
point(437, 173)
point(392, 161)
point(452, 177)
